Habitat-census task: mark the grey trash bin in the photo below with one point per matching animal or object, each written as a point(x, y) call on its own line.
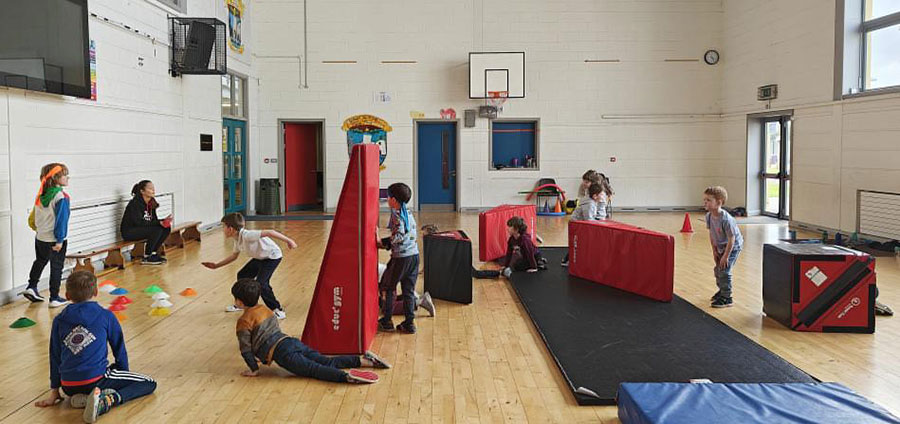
point(269, 201)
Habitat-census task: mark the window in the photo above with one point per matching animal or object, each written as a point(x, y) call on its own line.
point(178, 5)
point(881, 35)
point(233, 96)
point(514, 144)
point(871, 34)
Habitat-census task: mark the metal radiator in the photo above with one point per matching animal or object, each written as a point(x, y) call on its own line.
point(878, 214)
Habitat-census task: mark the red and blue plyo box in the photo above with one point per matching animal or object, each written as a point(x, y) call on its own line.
point(816, 287)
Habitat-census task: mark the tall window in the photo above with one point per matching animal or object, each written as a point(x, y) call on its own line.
point(881, 40)
point(869, 40)
point(233, 96)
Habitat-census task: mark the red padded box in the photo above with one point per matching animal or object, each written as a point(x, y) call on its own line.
point(492, 235)
point(814, 287)
point(623, 256)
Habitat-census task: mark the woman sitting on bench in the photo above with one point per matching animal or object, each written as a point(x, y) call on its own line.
point(141, 223)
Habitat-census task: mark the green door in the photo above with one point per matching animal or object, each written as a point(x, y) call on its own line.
point(234, 160)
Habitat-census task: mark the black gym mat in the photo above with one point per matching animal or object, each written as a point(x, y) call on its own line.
point(601, 336)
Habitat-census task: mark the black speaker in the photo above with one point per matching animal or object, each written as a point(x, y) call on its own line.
point(197, 46)
point(200, 40)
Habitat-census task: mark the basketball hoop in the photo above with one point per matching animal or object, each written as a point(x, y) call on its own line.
point(497, 99)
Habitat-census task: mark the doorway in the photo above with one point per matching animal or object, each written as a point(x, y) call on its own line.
point(234, 157)
point(775, 177)
point(302, 166)
point(436, 157)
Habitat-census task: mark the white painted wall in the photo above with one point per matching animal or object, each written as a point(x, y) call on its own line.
point(665, 158)
point(145, 124)
point(839, 146)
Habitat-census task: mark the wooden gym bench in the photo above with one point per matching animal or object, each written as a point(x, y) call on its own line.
point(114, 259)
point(94, 228)
point(182, 233)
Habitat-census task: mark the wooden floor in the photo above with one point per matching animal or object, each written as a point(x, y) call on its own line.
point(478, 363)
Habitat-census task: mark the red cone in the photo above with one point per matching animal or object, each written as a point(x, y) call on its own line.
point(687, 228)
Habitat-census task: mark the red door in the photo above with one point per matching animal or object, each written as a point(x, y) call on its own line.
point(300, 171)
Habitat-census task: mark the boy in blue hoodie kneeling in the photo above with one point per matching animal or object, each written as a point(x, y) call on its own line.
point(78, 363)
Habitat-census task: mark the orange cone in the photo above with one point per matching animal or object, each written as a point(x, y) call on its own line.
point(687, 228)
point(558, 208)
point(188, 292)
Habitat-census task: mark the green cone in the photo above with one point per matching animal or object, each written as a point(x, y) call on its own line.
point(153, 289)
point(22, 323)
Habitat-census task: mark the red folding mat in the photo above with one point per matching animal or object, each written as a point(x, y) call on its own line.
point(492, 235)
point(623, 256)
point(343, 315)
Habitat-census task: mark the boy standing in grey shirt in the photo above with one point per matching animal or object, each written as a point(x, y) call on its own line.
point(726, 241)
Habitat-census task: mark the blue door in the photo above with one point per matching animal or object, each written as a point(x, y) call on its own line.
point(234, 160)
point(437, 163)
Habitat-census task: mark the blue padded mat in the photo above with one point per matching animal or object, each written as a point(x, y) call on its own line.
point(770, 403)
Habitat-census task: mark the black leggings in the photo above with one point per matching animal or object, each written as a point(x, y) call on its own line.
point(43, 253)
point(154, 234)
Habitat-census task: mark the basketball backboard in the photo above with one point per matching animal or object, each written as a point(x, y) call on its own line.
point(496, 71)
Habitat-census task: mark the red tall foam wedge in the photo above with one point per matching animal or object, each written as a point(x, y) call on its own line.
point(343, 314)
point(686, 227)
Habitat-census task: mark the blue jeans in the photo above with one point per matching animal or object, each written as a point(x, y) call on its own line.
point(723, 276)
point(129, 385)
point(304, 361)
point(262, 270)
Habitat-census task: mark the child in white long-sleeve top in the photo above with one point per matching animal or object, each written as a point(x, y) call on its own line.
point(264, 254)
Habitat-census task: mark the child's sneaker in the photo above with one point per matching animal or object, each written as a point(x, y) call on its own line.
point(406, 327)
point(507, 272)
point(722, 302)
point(57, 301)
point(376, 361)
point(232, 308)
point(564, 262)
point(32, 294)
point(882, 309)
point(386, 326)
point(357, 376)
point(427, 304)
point(716, 296)
point(153, 259)
point(279, 313)
point(99, 403)
point(78, 400)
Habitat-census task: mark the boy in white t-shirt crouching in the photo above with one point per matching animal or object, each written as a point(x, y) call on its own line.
point(264, 254)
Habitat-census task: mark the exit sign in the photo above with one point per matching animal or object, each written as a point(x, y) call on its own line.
point(767, 92)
